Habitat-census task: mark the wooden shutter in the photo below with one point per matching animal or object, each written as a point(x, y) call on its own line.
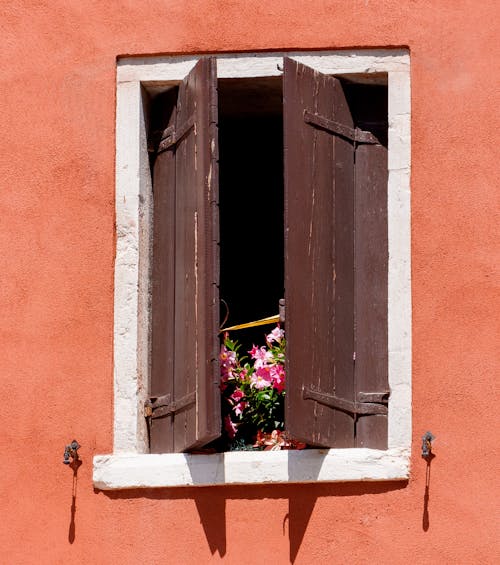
point(371, 255)
point(185, 397)
point(335, 267)
point(319, 256)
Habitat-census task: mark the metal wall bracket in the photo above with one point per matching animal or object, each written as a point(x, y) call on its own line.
point(427, 440)
point(71, 450)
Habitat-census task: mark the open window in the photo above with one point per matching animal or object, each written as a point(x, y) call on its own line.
point(376, 85)
point(291, 172)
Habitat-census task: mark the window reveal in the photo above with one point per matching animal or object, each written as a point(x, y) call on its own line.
point(335, 252)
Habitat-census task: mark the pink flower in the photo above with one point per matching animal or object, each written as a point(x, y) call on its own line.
point(276, 335)
point(227, 358)
point(227, 361)
point(238, 408)
point(243, 375)
point(230, 427)
point(261, 356)
point(261, 378)
point(226, 375)
point(237, 395)
point(277, 373)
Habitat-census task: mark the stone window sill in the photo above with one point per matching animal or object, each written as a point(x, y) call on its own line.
point(130, 471)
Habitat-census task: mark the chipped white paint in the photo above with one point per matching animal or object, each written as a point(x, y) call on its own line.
point(130, 466)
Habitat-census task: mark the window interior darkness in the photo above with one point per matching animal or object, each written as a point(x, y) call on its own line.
point(367, 99)
point(251, 203)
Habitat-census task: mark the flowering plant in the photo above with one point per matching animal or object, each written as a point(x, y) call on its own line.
point(253, 393)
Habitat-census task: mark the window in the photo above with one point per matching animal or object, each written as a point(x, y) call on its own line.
point(326, 137)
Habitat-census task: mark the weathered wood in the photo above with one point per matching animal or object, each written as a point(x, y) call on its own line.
point(319, 201)
point(163, 282)
point(212, 400)
point(371, 253)
point(196, 300)
point(192, 265)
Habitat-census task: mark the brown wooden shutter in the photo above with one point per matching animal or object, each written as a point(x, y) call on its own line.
point(185, 397)
point(319, 256)
point(371, 255)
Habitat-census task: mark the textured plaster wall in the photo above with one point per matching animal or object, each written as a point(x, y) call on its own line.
point(57, 244)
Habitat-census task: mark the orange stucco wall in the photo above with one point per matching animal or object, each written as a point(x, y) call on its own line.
point(57, 109)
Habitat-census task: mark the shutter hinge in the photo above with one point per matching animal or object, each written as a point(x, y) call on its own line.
point(159, 406)
point(353, 134)
point(367, 403)
point(171, 136)
point(282, 310)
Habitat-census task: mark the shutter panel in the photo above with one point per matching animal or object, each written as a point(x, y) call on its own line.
point(371, 252)
point(163, 288)
point(319, 256)
point(185, 272)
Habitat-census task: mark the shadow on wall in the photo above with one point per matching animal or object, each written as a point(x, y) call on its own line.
point(425, 514)
point(211, 504)
point(74, 466)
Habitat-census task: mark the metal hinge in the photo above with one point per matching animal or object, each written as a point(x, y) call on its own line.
point(282, 310)
point(160, 406)
point(353, 134)
point(367, 403)
point(171, 136)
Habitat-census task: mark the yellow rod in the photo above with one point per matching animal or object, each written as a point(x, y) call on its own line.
point(261, 322)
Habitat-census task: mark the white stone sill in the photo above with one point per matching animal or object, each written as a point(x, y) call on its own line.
point(131, 471)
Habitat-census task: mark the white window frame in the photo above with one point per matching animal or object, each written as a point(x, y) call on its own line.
point(130, 465)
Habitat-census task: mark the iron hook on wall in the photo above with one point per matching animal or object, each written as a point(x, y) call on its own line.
point(71, 450)
point(427, 440)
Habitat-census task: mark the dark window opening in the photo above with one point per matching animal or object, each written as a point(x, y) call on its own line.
point(160, 107)
point(368, 105)
point(250, 203)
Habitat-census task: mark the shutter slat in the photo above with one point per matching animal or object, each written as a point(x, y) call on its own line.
point(371, 251)
point(318, 257)
point(186, 269)
point(212, 396)
point(163, 285)
point(343, 157)
point(206, 162)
